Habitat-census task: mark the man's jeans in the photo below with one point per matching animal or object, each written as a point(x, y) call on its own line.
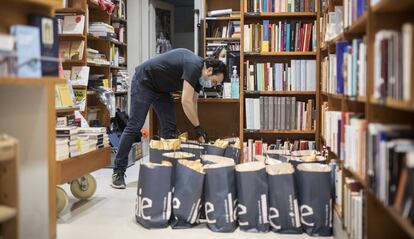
point(141, 99)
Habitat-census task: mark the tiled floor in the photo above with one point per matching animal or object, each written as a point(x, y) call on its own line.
point(110, 214)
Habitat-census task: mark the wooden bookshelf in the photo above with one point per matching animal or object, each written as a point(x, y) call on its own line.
point(222, 18)
point(43, 81)
point(287, 53)
point(380, 220)
point(248, 131)
point(79, 11)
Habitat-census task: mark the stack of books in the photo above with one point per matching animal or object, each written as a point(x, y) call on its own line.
point(279, 113)
point(332, 24)
point(223, 13)
point(282, 36)
point(72, 50)
point(212, 46)
point(229, 30)
point(393, 63)
point(120, 9)
point(101, 29)
point(114, 56)
point(257, 6)
point(95, 136)
point(120, 80)
point(299, 75)
point(120, 30)
point(68, 135)
point(95, 57)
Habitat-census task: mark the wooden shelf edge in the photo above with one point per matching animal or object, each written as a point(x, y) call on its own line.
point(393, 104)
point(222, 18)
point(7, 213)
point(71, 10)
point(67, 109)
point(356, 176)
point(280, 92)
point(20, 81)
point(279, 14)
point(247, 131)
point(288, 53)
point(222, 39)
point(402, 222)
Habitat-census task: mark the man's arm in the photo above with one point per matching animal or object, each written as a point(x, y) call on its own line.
point(189, 102)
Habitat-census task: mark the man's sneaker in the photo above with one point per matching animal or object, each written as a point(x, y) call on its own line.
point(118, 180)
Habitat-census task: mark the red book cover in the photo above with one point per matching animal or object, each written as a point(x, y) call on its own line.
point(307, 6)
point(302, 32)
point(266, 76)
point(258, 147)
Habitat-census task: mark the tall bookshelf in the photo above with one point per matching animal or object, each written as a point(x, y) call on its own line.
point(379, 219)
point(270, 136)
point(73, 168)
point(28, 114)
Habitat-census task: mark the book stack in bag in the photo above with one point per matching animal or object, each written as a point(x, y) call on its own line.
point(344, 134)
point(257, 6)
point(299, 75)
point(279, 113)
point(353, 208)
point(254, 148)
point(345, 72)
point(280, 36)
point(391, 166)
point(393, 63)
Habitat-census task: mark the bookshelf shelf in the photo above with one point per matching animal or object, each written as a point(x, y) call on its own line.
point(73, 168)
point(73, 62)
point(72, 36)
point(70, 10)
point(45, 3)
point(213, 100)
point(44, 81)
point(7, 213)
point(288, 53)
point(359, 26)
point(116, 19)
point(402, 222)
point(393, 104)
point(121, 93)
point(118, 68)
point(248, 15)
point(391, 6)
point(222, 18)
point(90, 64)
point(247, 131)
point(61, 110)
point(222, 39)
point(356, 176)
point(280, 92)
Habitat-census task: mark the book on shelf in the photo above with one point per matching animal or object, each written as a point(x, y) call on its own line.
point(252, 148)
point(49, 43)
point(120, 9)
point(95, 57)
point(332, 24)
point(280, 36)
point(28, 50)
point(120, 31)
point(353, 208)
point(7, 50)
point(73, 24)
point(80, 98)
point(212, 46)
point(344, 134)
point(101, 29)
point(279, 113)
point(80, 75)
point(389, 147)
point(220, 12)
point(353, 9)
point(72, 50)
point(346, 71)
point(299, 75)
point(230, 29)
point(64, 95)
point(393, 63)
point(278, 6)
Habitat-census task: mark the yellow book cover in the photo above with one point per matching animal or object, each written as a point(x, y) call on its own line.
point(265, 46)
point(76, 50)
point(65, 96)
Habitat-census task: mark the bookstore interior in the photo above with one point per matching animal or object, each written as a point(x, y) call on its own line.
point(157, 119)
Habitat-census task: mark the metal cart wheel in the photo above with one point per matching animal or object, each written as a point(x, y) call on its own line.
point(84, 187)
point(62, 200)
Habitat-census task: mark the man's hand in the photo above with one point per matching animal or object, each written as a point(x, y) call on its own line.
point(202, 136)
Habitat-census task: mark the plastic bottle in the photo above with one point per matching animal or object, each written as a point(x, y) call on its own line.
point(235, 84)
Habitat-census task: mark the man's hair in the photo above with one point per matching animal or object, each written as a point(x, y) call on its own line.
point(217, 65)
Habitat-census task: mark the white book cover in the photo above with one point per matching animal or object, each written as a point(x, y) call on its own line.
point(257, 113)
point(362, 70)
point(303, 76)
point(270, 77)
point(80, 75)
point(407, 46)
point(74, 24)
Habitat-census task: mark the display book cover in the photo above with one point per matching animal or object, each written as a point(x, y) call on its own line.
point(49, 44)
point(341, 47)
point(28, 50)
